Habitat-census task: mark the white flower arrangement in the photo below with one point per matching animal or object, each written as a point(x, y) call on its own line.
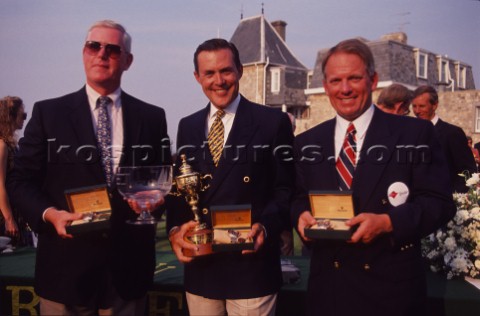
point(455, 248)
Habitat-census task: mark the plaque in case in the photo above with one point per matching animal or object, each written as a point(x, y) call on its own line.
point(94, 205)
point(231, 225)
point(331, 209)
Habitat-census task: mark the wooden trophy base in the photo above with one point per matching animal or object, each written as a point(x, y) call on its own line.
point(202, 239)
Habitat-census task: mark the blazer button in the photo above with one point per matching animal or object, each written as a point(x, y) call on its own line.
point(246, 179)
point(366, 267)
point(336, 265)
point(205, 211)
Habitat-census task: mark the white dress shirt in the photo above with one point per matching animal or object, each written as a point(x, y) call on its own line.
point(227, 119)
point(361, 124)
point(435, 119)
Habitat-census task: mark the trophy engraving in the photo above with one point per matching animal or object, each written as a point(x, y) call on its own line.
point(189, 184)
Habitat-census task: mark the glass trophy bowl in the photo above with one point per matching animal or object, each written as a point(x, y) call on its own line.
point(146, 185)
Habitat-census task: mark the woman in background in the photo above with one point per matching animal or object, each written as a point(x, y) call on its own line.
point(476, 154)
point(12, 116)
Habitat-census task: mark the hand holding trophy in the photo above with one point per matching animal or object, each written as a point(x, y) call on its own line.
point(189, 184)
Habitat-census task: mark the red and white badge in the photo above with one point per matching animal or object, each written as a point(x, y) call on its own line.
point(397, 193)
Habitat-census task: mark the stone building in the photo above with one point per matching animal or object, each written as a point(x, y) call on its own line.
point(272, 75)
point(398, 62)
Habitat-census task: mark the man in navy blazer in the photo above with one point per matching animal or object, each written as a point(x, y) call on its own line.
point(255, 168)
point(452, 138)
point(92, 271)
point(400, 193)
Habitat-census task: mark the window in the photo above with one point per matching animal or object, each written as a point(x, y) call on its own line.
point(477, 119)
point(443, 71)
point(275, 75)
point(421, 60)
point(461, 75)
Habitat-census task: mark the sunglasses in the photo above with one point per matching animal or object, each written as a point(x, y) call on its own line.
point(111, 50)
point(24, 116)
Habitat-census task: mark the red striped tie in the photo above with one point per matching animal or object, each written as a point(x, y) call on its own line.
point(347, 159)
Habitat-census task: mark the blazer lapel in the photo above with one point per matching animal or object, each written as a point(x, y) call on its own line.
point(331, 175)
point(80, 117)
point(132, 127)
point(379, 144)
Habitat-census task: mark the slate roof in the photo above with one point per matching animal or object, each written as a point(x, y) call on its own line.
point(394, 62)
point(256, 39)
point(388, 64)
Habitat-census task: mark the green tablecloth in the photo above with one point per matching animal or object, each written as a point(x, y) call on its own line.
point(446, 297)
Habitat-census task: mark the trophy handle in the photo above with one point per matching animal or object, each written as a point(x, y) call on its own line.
point(205, 176)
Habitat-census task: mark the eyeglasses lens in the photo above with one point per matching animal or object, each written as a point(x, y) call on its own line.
point(24, 116)
point(111, 50)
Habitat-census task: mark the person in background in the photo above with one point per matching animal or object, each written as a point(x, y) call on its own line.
point(12, 116)
point(395, 99)
point(452, 138)
point(246, 162)
point(74, 142)
point(476, 154)
point(379, 270)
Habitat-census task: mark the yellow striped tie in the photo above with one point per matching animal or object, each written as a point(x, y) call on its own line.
point(215, 137)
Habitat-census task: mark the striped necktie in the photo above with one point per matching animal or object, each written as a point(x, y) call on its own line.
point(104, 137)
point(347, 159)
point(215, 137)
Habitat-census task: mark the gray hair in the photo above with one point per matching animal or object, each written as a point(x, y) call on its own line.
point(127, 39)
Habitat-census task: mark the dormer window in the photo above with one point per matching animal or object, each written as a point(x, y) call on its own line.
point(461, 75)
point(421, 60)
point(443, 70)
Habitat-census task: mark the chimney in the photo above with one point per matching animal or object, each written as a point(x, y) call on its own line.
point(281, 28)
point(397, 37)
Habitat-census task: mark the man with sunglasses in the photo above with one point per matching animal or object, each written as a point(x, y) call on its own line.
point(65, 147)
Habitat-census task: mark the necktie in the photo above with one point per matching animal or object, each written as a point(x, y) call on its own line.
point(215, 137)
point(347, 159)
point(104, 137)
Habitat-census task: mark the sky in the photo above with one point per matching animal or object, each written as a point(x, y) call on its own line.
point(42, 40)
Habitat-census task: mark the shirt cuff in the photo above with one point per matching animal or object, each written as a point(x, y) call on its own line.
point(44, 212)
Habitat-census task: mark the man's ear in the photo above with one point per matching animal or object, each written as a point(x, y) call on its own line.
point(128, 62)
point(197, 76)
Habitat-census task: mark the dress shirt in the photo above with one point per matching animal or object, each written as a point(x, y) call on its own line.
point(116, 119)
point(227, 119)
point(361, 124)
point(435, 119)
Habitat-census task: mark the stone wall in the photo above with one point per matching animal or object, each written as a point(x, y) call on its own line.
point(459, 108)
point(251, 83)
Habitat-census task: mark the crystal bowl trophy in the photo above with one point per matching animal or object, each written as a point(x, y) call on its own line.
point(189, 184)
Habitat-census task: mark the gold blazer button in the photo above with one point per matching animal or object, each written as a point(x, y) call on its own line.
point(205, 211)
point(246, 179)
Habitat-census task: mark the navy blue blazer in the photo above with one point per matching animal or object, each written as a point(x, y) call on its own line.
point(59, 152)
point(256, 169)
point(384, 277)
point(459, 156)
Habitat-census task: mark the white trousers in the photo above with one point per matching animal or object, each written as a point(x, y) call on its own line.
point(258, 306)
